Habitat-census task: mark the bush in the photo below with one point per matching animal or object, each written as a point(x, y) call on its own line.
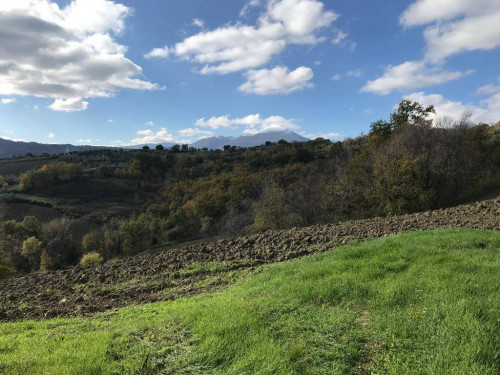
point(32, 249)
point(45, 261)
point(91, 259)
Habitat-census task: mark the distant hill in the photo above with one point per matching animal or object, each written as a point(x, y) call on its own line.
point(10, 148)
point(249, 140)
point(152, 146)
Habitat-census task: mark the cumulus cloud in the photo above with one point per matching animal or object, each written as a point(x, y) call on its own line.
point(248, 6)
point(252, 123)
point(488, 112)
point(411, 75)
point(452, 27)
point(65, 53)
point(151, 137)
point(69, 105)
point(455, 26)
point(277, 81)
point(158, 52)
point(8, 100)
point(51, 135)
point(189, 132)
point(234, 48)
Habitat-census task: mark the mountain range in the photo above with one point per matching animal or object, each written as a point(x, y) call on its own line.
point(10, 148)
point(253, 140)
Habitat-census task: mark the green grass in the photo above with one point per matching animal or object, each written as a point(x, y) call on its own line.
point(417, 303)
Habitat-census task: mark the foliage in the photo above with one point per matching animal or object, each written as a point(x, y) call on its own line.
point(91, 259)
point(50, 174)
point(32, 249)
point(45, 261)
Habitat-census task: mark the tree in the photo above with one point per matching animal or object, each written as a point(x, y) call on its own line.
point(381, 129)
point(176, 148)
point(145, 148)
point(45, 261)
point(160, 148)
point(93, 242)
point(32, 226)
point(271, 210)
point(411, 113)
point(32, 249)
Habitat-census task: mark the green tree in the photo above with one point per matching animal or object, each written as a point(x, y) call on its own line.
point(31, 250)
point(93, 242)
point(411, 113)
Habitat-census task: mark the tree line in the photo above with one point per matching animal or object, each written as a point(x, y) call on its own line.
point(403, 165)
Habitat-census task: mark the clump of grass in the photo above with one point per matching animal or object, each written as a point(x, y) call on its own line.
point(417, 303)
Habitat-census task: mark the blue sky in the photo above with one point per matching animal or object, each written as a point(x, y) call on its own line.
point(150, 71)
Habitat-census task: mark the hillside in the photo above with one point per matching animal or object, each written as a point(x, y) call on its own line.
point(166, 273)
point(10, 148)
point(418, 303)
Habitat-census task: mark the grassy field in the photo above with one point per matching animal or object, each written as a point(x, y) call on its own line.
point(417, 303)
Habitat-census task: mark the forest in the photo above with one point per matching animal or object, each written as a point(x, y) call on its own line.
point(408, 163)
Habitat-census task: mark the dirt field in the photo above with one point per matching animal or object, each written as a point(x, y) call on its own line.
point(164, 274)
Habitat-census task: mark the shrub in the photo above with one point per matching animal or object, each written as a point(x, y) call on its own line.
point(45, 261)
point(32, 249)
point(91, 259)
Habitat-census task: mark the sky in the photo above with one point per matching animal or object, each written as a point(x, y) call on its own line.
point(154, 71)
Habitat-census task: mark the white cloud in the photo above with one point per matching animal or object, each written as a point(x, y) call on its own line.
point(488, 112)
point(149, 123)
point(331, 135)
point(189, 132)
point(110, 121)
point(277, 81)
point(411, 75)
point(13, 139)
point(65, 53)
point(488, 90)
point(240, 47)
point(151, 137)
point(69, 105)
point(339, 38)
point(455, 26)
point(337, 77)
point(252, 123)
point(51, 135)
point(198, 23)
point(8, 100)
point(356, 73)
point(249, 5)
point(158, 53)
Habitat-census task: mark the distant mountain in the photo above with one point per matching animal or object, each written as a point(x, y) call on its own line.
point(10, 148)
point(249, 140)
point(212, 143)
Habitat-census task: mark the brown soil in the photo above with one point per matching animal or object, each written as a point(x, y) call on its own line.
point(164, 274)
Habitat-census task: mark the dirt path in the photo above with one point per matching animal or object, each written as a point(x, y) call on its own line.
point(165, 274)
